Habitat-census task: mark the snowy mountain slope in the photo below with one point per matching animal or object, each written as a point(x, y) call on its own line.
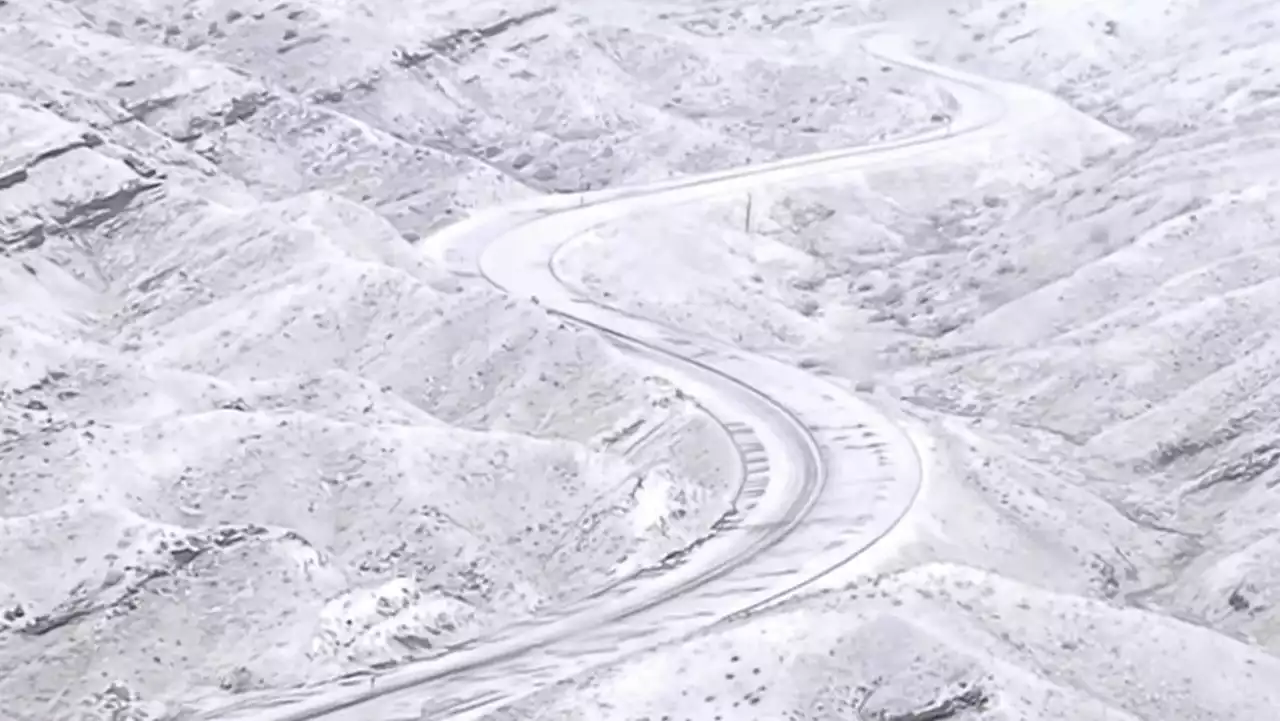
point(225, 376)
point(122, 450)
point(557, 97)
point(1158, 68)
point(1085, 325)
point(224, 364)
point(938, 641)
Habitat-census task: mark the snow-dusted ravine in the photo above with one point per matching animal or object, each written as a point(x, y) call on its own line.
point(829, 476)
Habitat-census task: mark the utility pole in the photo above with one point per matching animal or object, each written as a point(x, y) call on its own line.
point(746, 227)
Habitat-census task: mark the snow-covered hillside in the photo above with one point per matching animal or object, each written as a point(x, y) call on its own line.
point(250, 438)
point(1086, 322)
point(934, 642)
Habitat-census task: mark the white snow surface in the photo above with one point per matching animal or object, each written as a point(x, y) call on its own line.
point(1081, 316)
point(250, 438)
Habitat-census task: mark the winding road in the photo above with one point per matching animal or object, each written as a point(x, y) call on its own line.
point(826, 475)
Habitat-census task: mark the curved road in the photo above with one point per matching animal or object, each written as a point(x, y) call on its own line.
point(826, 475)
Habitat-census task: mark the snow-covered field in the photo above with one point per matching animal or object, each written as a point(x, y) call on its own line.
point(250, 438)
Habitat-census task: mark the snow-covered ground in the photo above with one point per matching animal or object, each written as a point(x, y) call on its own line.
point(939, 641)
point(249, 437)
point(1084, 321)
point(270, 444)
